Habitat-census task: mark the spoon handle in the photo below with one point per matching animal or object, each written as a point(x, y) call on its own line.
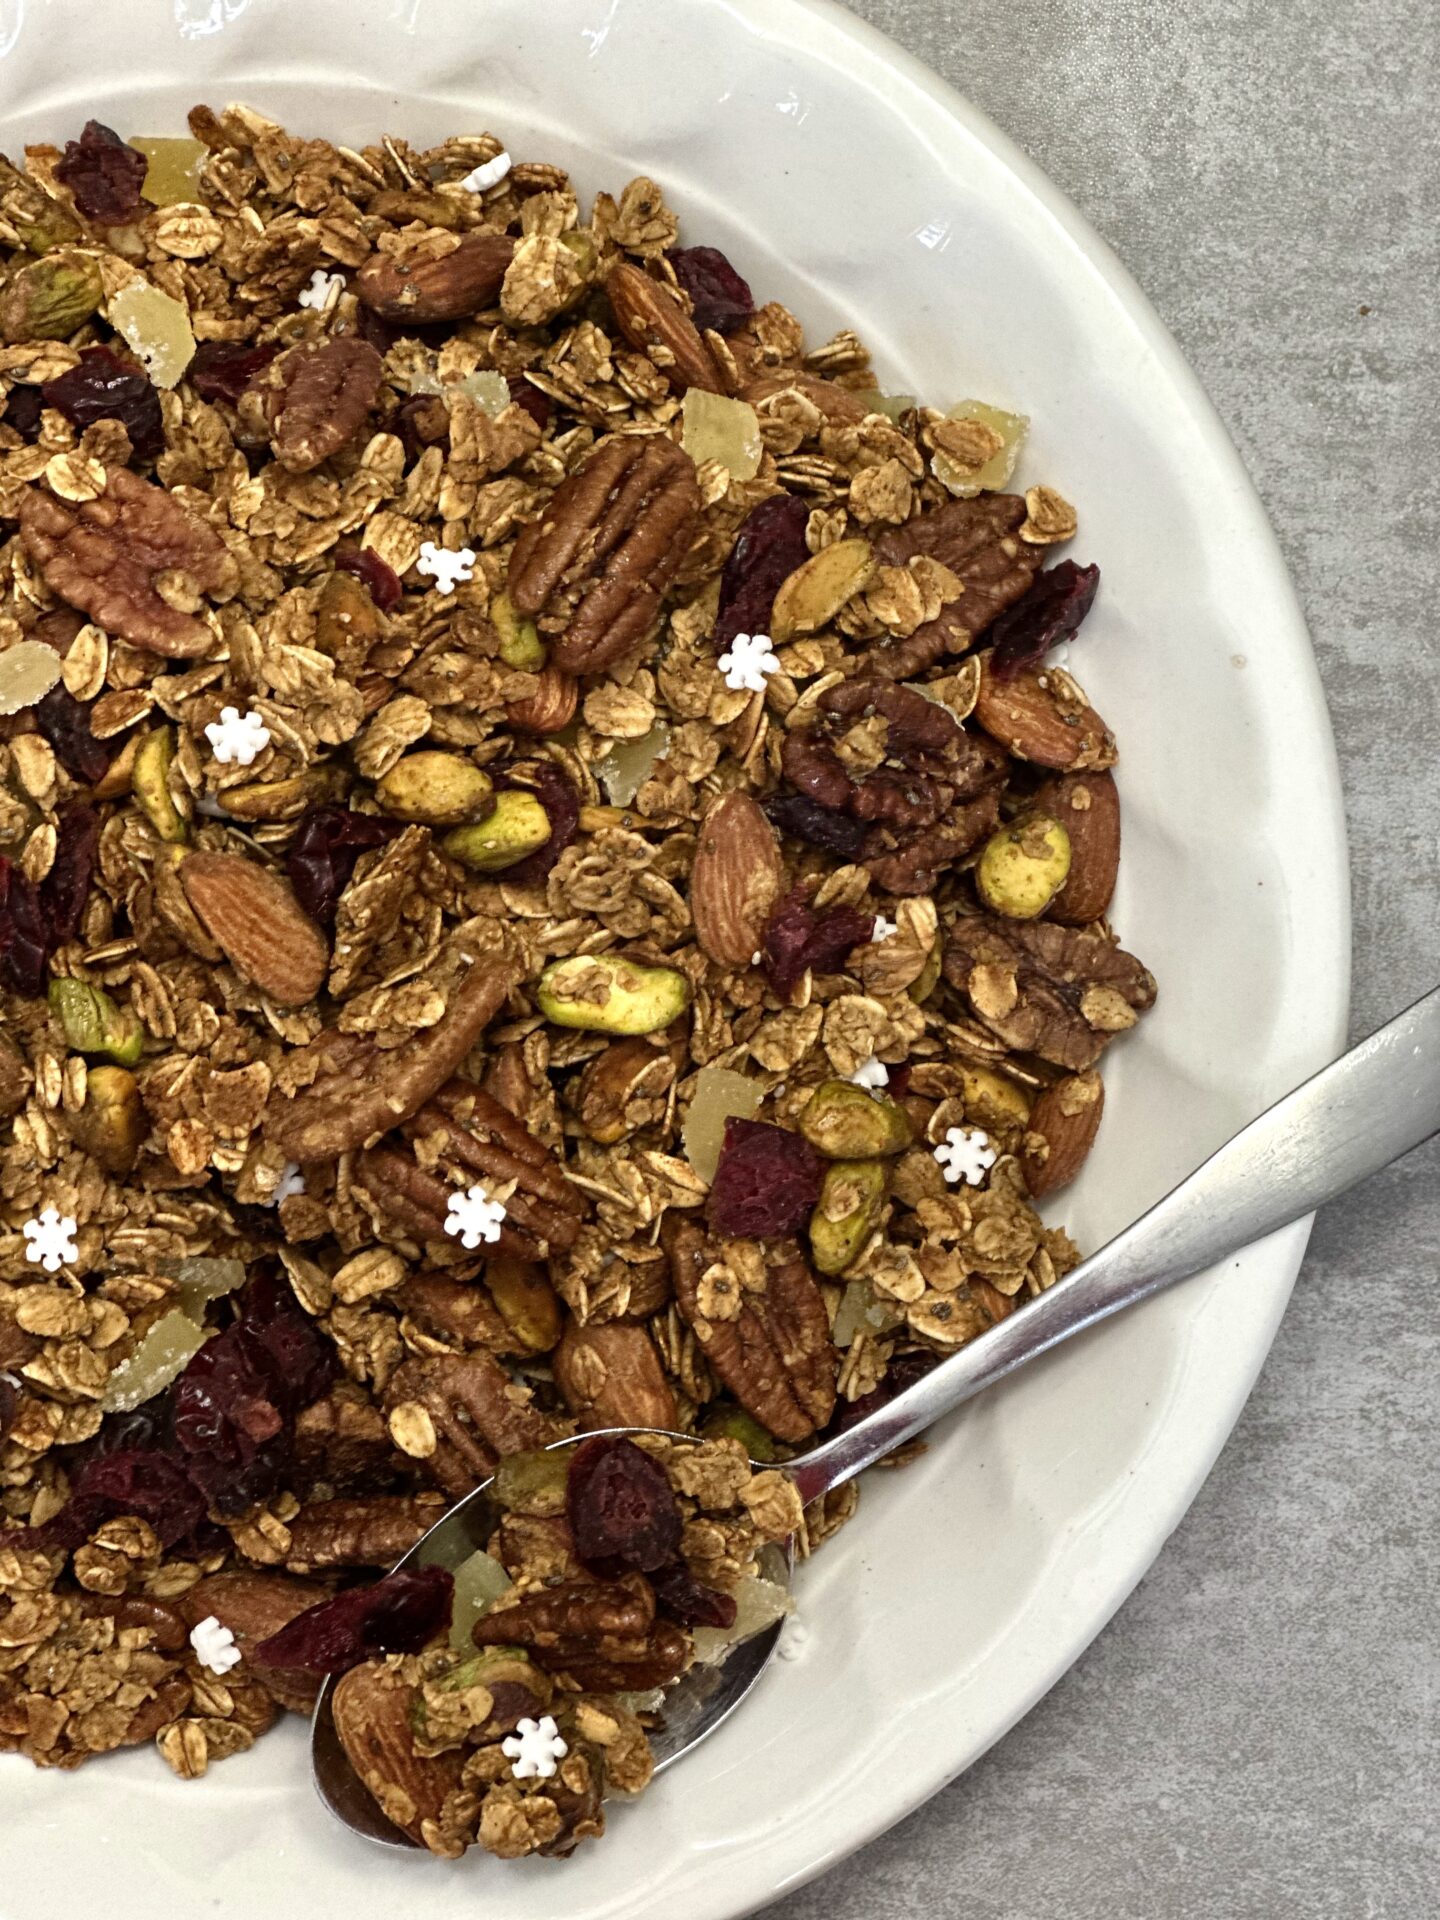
point(1354, 1117)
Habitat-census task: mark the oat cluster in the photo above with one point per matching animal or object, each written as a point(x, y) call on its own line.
point(387, 843)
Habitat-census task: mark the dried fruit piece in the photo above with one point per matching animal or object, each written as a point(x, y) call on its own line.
point(630, 763)
point(767, 1181)
point(817, 590)
point(768, 548)
point(259, 924)
point(719, 298)
point(102, 386)
point(162, 1355)
point(735, 879)
point(688, 1600)
point(48, 299)
point(224, 369)
point(65, 723)
point(1023, 866)
point(66, 888)
point(172, 168)
point(27, 673)
point(110, 1125)
point(716, 428)
point(479, 1582)
point(603, 993)
point(846, 1122)
point(654, 322)
point(797, 939)
point(155, 327)
point(516, 827)
point(759, 1603)
point(322, 856)
point(960, 474)
point(720, 1095)
point(104, 174)
point(1088, 806)
point(402, 1613)
point(24, 938)
point(1060, 1132)
point(622, 1510)
point(437, 789)
point(131, 1480)
point(381, 581)
point(1052, 611)
point(94, 1024)
point(818, 826)
point(535, 1482)
point(850, 1207)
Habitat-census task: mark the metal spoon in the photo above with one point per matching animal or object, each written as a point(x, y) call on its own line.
point(1357, 1115)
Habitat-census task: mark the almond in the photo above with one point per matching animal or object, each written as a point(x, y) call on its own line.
point(371, 1706)
point(259, 925)
point(650, 317)
point(1088, 807)
point(422, 285)
point(839, 406)
point(1042, 716)
point(735, 880)
point(611, 1375)
point(550, 708)
point(1061, 1131)
point(254, 1605)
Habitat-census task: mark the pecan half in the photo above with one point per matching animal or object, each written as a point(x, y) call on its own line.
point(931, 796)
point(318, 397)
point(775, 1354)
point(462, 1129)
point(654, 322)
point(362, 1090)
point(979, 541)
point(104, 557)
point(603, 1634)
point(422, 285)
point(611, 1376)
point(477, 1413)
point(595, 567)
point(1060, 992)
point(370, 1532)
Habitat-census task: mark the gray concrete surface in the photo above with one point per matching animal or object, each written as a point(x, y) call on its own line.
point(1255, 1734)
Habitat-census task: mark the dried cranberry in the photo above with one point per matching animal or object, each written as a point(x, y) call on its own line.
point(66, 887)
point(402, 1613)
point(534, 402)
point(1047, 613)
point(767, 550)
point(22, 412)
point(131, 1480)
point(324, 851)
point(622, 1510)
point(104, 387)
point(805, 819)
point(797, 937)
point(24, 943)
point(899, 1084)
point(767, 1181)
point(562, 809)
point(223, 369)
point(235, 1403)
point(719, 298)
point(65, 723)
point(902, 1372)
point(104, 175)
point(382, 580)
point(690, 1602)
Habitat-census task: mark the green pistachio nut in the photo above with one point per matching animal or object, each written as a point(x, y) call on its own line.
point(518, 827)
point(520, 644)
point(486, 1695)
point(150, 784)
point(928, 978)
point(110, 1124)
point(733, 1423)
point(40, 222)
point(846, 1123)
point(851, 1202)
point(602, 993)
point(94, 1024)
point(1023, 866)
point(47, 299)
point(437, 790)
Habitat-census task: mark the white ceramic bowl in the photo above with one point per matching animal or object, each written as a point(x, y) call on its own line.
point(846, 180)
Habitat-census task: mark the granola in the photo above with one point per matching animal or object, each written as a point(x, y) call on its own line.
point(546, 884)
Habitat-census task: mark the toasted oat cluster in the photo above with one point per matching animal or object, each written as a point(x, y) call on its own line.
point(549, 880)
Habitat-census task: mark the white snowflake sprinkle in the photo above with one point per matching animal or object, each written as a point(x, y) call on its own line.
point(794, 1638)
point(291, 1182)
point(535, 1749)
point(749, 663)
point(488, 174)
point(871, 1074)
point(474, 1216)
point(447, 568)
point(884, 929)
point(323, 291)
point(51, 1240)
point(237, 738)
point(214, 1645)
point(966, 1154)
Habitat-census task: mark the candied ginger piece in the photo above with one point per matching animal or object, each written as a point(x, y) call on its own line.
point(155, 328)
